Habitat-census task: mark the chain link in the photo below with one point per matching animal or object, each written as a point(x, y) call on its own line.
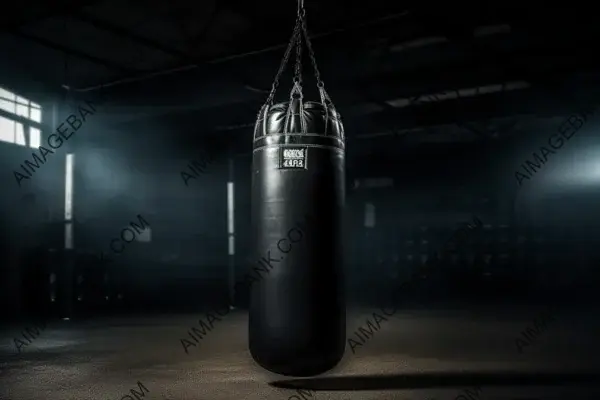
point(300, 30)
point(298, 68)
point(311, 52)
point(286, 57)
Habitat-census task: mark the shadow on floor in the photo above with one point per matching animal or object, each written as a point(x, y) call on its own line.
point(438, 380)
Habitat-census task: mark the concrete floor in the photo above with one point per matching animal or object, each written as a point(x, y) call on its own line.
point(415, 355)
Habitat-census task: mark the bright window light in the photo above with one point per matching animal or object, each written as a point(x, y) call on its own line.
point(12, 131)
point(230, 207)
point(35, 113)
point(7, 130)
point(19, 135)
point(70, 161)
point(7, 101)
point(22, 107)
point(231, 217)
point(35, 137)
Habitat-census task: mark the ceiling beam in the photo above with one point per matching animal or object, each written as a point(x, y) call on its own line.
point(348, 100)
point(535, 101)
point(204, 64)
point(127, 34)
point(51, 10)
point(549, 75)
point(528, 102)
point(28, 81)
point(528, 64)
point(472, 69)
point(180, 56)
point(72, 52)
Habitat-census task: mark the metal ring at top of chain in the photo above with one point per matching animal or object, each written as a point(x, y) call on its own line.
point(311, 52)
point(286, 56)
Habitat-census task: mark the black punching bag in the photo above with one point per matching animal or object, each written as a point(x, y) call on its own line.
point(297, 322)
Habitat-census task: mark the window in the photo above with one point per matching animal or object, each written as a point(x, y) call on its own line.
point(22, 107)
point(7, 130)
point(35, 113)
point(12, 131)
point(19, 134)
point(35, 137)
point(7, 101)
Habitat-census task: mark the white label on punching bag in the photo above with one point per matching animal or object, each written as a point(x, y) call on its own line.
point(292, 157)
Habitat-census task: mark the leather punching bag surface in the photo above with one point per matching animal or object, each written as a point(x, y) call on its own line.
point(297, 311)
point(297, 322)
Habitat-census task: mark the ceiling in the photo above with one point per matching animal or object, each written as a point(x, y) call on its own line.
point(418, 71)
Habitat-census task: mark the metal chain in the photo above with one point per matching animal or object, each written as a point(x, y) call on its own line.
point(298, 68)
point(300, 29)
point(285, 60)
point(311, 52)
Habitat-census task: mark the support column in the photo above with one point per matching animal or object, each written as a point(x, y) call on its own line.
point(231, 232)
point(67, 267)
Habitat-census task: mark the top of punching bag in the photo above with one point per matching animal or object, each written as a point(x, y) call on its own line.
point(298, 117)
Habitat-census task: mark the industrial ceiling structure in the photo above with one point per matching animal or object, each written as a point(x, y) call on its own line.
point(411, 72)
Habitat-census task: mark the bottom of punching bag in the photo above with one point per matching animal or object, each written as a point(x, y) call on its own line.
point(301, 365)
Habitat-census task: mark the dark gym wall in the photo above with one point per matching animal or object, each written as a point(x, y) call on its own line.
point(32, 211)
point(121, 176)
point(187, 256)
point(118, 177)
